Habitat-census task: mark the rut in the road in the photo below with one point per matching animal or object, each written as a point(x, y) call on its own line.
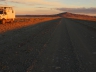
point(66, 57)
point(59, 55)
point(41, 41)
point(23, 50)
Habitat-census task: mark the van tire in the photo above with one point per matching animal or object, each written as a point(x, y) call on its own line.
point(11, 21)
point(3, 21)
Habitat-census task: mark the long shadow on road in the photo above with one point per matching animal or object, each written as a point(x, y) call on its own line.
point(19, 48)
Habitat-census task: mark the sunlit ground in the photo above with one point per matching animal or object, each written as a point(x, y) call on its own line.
point(21, 22)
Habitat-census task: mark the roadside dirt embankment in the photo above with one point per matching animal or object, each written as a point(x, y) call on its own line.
point(23, 22)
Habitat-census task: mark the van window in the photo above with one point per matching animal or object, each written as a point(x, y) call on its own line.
point(1, 12)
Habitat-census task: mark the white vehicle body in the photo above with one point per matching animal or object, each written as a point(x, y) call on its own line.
point(7, 14)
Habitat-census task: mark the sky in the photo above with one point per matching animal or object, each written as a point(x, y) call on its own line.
point(34, 7)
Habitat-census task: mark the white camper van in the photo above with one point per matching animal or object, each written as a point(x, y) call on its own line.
point(7, 14)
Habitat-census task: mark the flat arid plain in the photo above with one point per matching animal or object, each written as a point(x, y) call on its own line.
point(48, 44)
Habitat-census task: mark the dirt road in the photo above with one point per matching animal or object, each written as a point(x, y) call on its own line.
point(60, 45)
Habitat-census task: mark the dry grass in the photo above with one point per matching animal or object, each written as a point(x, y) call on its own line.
point(23, 22)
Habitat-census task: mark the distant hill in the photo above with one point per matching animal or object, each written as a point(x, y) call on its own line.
point(64, 14)
point(67, 14)
point(77, 16)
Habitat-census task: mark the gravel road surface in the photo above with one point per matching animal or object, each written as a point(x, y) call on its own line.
point(60, 45)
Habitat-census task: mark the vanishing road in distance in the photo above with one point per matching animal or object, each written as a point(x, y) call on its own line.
point(60, 45)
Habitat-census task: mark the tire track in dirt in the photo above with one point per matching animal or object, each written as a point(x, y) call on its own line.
point(19, 58)
point(83, 41)
point(43, 48)
point(59, 55)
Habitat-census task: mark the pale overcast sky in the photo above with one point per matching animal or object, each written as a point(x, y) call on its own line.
point(52, 6)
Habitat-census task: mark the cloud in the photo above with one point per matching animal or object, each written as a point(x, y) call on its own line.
point(2, 0)
point(36, 2)
point(15, 2)
point(41, 7)
point(78, 10)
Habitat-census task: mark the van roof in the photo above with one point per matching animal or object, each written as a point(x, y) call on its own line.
point(5, 6)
